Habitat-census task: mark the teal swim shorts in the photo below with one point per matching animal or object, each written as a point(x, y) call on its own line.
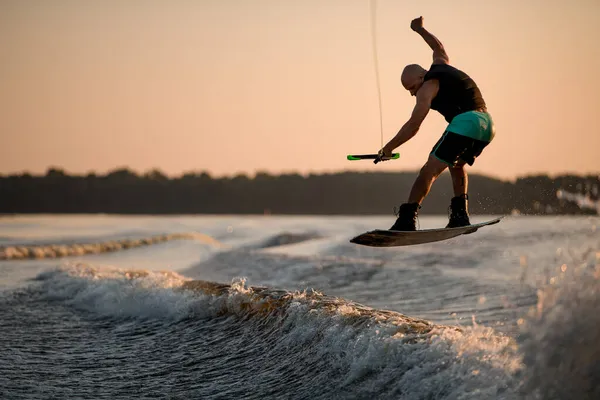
point(474, 124)
point(465, 138)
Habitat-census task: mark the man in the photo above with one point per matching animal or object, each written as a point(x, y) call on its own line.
point(455, 95)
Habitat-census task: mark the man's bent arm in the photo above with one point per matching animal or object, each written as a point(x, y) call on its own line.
point(439, 53)
point(408, 130)
point(425, 96)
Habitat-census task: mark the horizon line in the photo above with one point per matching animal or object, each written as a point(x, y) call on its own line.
point(257, 172)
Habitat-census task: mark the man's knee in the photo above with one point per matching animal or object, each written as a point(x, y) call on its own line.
point(432, 168)
point(460, 164)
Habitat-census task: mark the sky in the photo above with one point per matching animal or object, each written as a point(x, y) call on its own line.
point(280, 86)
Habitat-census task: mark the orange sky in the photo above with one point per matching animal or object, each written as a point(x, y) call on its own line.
point(239, 86)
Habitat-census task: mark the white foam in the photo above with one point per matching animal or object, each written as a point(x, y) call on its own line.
point(115, 292)
point(355, 338)
point(558, 352)
point(561, 338)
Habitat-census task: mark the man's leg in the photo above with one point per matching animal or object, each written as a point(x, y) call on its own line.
point(460, 181)
point(428, 174)
point(459, 210)
point(407, 216)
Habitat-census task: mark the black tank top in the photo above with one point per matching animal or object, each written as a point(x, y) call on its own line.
point(458, 93)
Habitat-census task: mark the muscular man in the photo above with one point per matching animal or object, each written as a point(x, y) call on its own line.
point(455, 95)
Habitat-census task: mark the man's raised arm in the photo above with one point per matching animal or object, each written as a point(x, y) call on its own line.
point(439, 53)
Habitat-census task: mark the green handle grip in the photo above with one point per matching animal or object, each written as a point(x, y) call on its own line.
point(354, 157)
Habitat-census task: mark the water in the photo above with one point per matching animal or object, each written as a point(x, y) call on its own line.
point(285, 307)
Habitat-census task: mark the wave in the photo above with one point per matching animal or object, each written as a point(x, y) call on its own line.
point(339, 348)
point(60, 250)
point(286, 238)
point(79, 249)
point(560, 340)
point(307, 344)
point(289, 271)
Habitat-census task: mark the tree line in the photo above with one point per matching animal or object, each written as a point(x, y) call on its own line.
point(123, 191)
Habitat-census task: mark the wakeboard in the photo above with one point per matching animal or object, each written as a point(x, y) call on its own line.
point(386, 238)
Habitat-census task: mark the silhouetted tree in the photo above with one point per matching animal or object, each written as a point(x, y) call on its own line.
point(123, 191)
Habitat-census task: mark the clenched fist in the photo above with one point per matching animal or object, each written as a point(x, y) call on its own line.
point(416, 24)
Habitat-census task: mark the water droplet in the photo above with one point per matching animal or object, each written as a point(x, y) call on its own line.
point(523, 261)
point(563, 267)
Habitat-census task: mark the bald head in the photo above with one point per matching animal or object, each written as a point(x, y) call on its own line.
point(412, 77)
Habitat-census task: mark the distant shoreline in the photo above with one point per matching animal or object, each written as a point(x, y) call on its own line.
point(122, 192)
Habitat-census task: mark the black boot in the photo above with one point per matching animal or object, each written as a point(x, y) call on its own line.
point(407, 217)
point(459, 213)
